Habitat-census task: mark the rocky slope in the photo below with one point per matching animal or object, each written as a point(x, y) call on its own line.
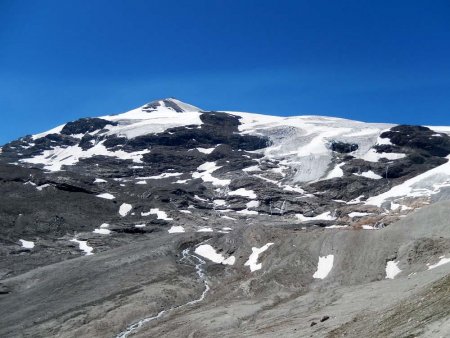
point(173, 221)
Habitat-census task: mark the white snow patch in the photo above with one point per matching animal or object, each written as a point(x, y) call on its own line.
point(252, 168)
point(182, 181)
point(253, 258)
point(206, 150)
point(253, 204)
point(26, 244)
point(336, 172)
point(336, 226)
point(41, 187)
point(160, 176)
point(247, 212)
point(139, 225)
point(205, 173)
point(368, 227)
point(293, 189)
point(358, 214)
point(220, 202)
point(384, 140)
point(102, 231)
point(392, 269)
point(124, 209)
point(185, 211)
point(326, 216)
point(141, 182)
point(324, 266)
point(369, 174)
point(159, 214)
point(100, 180)
point(107, 196)
point(356, 200)
point(83, 246)
point(207, 251)
point(442, 261)
point(55, 158)
point(176, 229)
point(243, 192)
point(373, 156)
point(205, 230)
point(200, 199)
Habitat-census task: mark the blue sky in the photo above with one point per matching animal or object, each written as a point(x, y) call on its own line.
point(376, 61)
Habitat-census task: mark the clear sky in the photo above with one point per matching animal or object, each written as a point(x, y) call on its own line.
point(376, 61)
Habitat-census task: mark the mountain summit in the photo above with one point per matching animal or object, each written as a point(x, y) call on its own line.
point(156, 221)
point(170, 103)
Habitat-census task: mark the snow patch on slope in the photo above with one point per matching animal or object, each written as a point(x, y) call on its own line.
point(253, 258)
point(207, 251)
point(324, 266)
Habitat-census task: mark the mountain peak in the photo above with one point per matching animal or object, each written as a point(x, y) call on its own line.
point(170, 103)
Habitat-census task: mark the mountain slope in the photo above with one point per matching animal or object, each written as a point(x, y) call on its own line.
point(176, 204)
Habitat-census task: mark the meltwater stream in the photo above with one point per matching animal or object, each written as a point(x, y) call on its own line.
point(187, 257)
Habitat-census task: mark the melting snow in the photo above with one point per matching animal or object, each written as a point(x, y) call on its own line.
point(220, 202)
point(336, 172)
point(160, 176)
point(442, 261)
point(206, 150)
point(253, 258)
point(326, 216)
point(176, 229)
point(252, 168)
point(253, 204)
point(159, 214)
point(324, 266)
point(43, 187)
point(373, 156)
point(107, 196)
point(336, 226)
point(55, 158)
point(182, 181)
point(207, 251)
point(204, 172)
point(200, 199)
point(83, 246)
point(368, 227)
point(392, 269)
point(26, 244)
point(247, 212)
point(124, 209)
point(205, 230)
point(102, 231)
point(243, 192)
point(370, 174)
point(100, 180)
point(358, 214)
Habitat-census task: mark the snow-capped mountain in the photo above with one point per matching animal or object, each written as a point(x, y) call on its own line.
point(221, 190)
